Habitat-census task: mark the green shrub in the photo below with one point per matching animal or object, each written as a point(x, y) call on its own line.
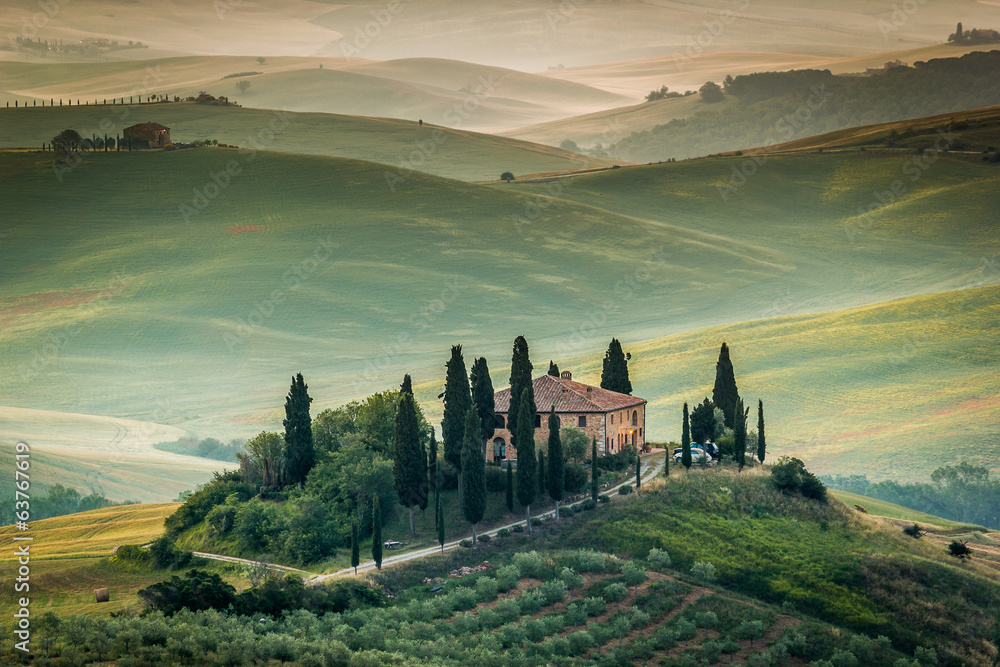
point(571, 578)
point(604, 498)
point(686, 630)
point(659, 559)
point(536, 521)
point(503, 532)
point(633, 574)
point(575, 477)
point(485, 539)
point(509, 610)
point(132, 555)
point(594, 606)
point(507, 577)
point(588, 504)
point(706, 619)
point(704, 571)
point(567, 511)
point(585, 560)
point(518, 528)
point(530, 564)
point(466, 544)
point(577, 508)
point(487, 589)
point(553, 591)
point(531, 602)
point(624, 489)
point(579, 642)
point(616, 592)
point(496, 479)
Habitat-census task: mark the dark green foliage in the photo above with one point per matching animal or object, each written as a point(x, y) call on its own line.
point(409, 463)
point(702, 421)
point(507, 176)
point(439, 520)
point(959, 549)
point(685, 427)
point(200, 503)
point(482, 397)
point(574, 476)
point(614, 376)
point(625, 489)
point(541, 473)
point(510, 487)
point(166, 555)
point(638, 472)
point(473, 472)
point(594, 475)
point(496, 479)
point(527, 483)
point(278, 595)
point(553, 369)
point(711, 92)
point(740, 433)
point(407, 386)
point(914, 531)
point(197, 590)
point(789, 475)
point(371, 422)
point(299, 453)
point(761, 441)
point(457, 401)
point(725, 393)
point(376, 532)
point(60, 500)
point(67, 142)
point(686, 456)
point(520, 381)
point(355, 547)
point(432, 464)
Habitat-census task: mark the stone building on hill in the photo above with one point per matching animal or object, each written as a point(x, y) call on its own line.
point(614, 419)
point(157, 135)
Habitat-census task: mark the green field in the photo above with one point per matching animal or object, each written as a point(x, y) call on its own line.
point(453, 153)
point(891, 510)
point(313, 263)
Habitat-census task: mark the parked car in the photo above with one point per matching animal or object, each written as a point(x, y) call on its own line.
point(696, 454)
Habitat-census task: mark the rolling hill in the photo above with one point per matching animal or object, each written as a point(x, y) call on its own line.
point(400, 143)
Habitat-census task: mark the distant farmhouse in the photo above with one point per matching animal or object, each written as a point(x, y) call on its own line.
point(614, 419)
point(892, 64)
point(157, 135)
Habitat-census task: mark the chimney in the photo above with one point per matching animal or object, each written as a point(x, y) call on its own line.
point(566, 375)
point(590, 391)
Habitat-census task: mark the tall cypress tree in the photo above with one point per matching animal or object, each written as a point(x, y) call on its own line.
point(541, 473)
point(432, 462)
point(409, 466)
point(483, 399)
point(527, 484)
point(439, 520)
point(355, 546)
point(556, 478)
point(638, 473)
point(376, 532)
point(685, 427)
point(407, 386)
point(299, 453)
point(510, 488)
point(457, 401)
point(740, 434)
point(761, 442)
point(553, 369)
point(473, 473)
point(725, 393)
point(594, 476)
point(614, 376)
point(520, 380)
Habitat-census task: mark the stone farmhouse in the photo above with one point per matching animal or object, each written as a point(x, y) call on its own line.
point(614, 419)
point(157, 135)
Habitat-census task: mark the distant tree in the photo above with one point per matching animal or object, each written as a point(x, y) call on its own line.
point(409, 468)
point(527, 484)
point(67, 142)
point(657, 94)
point(725, 393)
point(574, 444)
point(614, 376)
point(556, 481)
point(711, 92)
point(727, 82)
point(483, 399)
point(439, 520)
point(761, 442)
point(740, 434)
point(553, 369)
point(569, 145)
point(702, 422)
point(510, 488)
point(957, 36)
point(638, 472)
point(507, 176)
point(686, 441)
point(473, 472)
point(541, 473)
point(265, 452)
point(376, 532)
point(242, 86)
point(685, 427)
point(959, 549)
point(457, 401)
point(299, 453)
point(914, 531)
point(520, 381)
point(406, 387)
point(594, 476)
point(261, 60)
point(355, 546)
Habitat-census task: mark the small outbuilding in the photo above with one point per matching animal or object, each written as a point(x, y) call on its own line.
point(157, 135)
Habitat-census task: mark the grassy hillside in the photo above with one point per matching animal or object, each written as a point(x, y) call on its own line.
point(355, 284)
point(444, 152)
point(889, 510)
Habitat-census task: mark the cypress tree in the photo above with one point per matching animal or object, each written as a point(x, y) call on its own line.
point(432, 462)
point(740, 434)
point(376, 532)
point(686, 456)
point(761, 442)
point(541, 473)
point(725, 393)
point(685, 427)
point(483, 399)
point(638, 472)
point(553, 369)
point(299, 453)
point(527, 484)
point(409, 466)
point(594, 476)
point(520, 380)
point(457, 401)
point(614, 376)
point(510, 488)
point(473, 473)
point(556, 479)
point(439, 520)
point(666, 461)
point(355, 546)
point(407, 386)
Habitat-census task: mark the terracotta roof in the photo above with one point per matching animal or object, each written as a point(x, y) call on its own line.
point(147, 126)
point(570, 396)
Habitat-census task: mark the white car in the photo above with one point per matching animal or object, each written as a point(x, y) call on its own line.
point(696, 455)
